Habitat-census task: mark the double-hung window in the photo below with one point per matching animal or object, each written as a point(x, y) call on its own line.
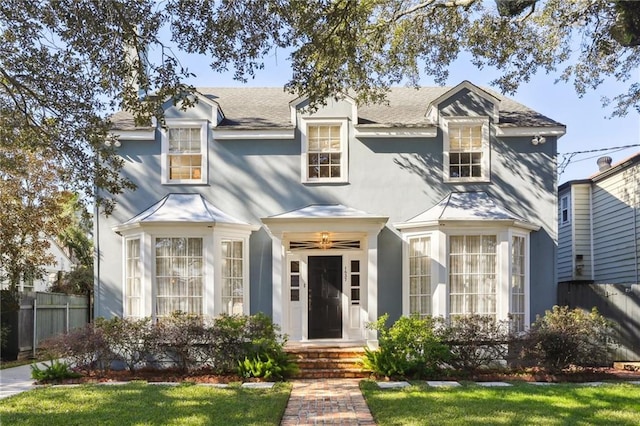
point(232, 277)
point(466, 149)
point(473, 274)
point(184, 152)
point(324, 151)
point(565, 216)
point(518, 276)
point(179, 275)
point(420, 276)
point(133, 275)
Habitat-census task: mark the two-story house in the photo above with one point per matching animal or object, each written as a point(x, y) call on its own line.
point(599, 225)
point(599, 248)
point(440, 202)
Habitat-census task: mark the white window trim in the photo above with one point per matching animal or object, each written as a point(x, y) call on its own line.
point(141, 307)
point(218, 238)
point(486, 147)
point(566, 198)
point(527, 275)
point(344, 149)
point(153, 271)
point(164, 158)
point(440, 252)
point(406, 282)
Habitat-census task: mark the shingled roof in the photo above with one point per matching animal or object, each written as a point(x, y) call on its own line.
point(268, 107)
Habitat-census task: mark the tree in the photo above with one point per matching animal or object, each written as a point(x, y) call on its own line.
point(66, 64)
point(30, 215)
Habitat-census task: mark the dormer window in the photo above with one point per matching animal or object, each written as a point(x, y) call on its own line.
point(466, 149)
point(324, 151)
point(184, 152)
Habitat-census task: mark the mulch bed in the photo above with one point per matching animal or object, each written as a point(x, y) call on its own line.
point(573, 375)
point(526, 375)
point(154, 375)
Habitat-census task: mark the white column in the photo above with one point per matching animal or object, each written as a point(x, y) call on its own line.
point(440, 275)
point(503, 276)
point(372, 286)
point(148, 265)
point(277, 301)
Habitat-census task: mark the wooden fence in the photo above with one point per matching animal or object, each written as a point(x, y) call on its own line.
point(44, 315)
point(620, 303)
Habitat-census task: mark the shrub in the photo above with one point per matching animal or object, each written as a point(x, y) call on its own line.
point(86, 347)
point(53, 372)
point(132, 340)
point(185, 339)
point(268, 365)
point(565, 337)
point(409, 347)
point(229, 343)
point(4, 336)
point(475, 341)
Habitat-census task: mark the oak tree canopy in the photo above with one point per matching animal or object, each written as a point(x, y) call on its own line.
point(65, 65)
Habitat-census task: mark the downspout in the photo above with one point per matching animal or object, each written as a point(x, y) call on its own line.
point(635, 232)
point(593, 259)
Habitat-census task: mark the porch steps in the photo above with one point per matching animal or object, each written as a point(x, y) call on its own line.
point(323, 362)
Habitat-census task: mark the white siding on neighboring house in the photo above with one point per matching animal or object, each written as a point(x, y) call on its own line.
point(565, 242)
point(615, 211)
point(581, 230)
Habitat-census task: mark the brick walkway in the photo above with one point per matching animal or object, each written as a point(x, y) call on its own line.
point(327, 402)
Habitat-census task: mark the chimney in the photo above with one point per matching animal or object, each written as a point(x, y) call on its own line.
point(604, 163)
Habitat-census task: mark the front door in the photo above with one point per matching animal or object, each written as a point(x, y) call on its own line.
point(325, 297)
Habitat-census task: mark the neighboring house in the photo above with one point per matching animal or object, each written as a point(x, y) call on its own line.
point(599, 225)
point(61, 264)
point(441, 202)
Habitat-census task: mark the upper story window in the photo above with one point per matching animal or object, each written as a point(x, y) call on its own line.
point(565, 216)
point(466, 149)
point(184, 152)
point(324, 151)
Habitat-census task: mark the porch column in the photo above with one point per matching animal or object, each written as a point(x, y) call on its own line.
point(277, 259)
point(372, 287)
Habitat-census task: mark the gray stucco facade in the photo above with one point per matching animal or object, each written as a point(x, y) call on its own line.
point(395, 170)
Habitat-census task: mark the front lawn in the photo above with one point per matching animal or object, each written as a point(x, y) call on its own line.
point(521, 404)
point(143, 404)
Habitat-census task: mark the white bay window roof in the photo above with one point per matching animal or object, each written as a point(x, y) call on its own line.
point(476, 207)
point(183, 208)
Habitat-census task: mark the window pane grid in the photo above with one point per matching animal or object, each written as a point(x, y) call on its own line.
point(472, 275)
point(465, 151)
point(420, 276)
point(133, 286)
point(355, 282)
point(517, 283)
point(232, 277)
point(179, 275)
point(324, 153)
point(294, 277)
point(185, 154)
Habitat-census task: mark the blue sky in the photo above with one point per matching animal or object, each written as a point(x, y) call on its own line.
point(588, 125)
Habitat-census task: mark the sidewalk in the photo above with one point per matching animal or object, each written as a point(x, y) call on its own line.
point(327, 402)
point(15, 380)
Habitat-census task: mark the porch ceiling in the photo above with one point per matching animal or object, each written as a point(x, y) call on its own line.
point(328, 217)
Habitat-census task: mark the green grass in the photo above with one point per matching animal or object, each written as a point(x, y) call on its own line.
point(522, 404)
point(138, 403)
